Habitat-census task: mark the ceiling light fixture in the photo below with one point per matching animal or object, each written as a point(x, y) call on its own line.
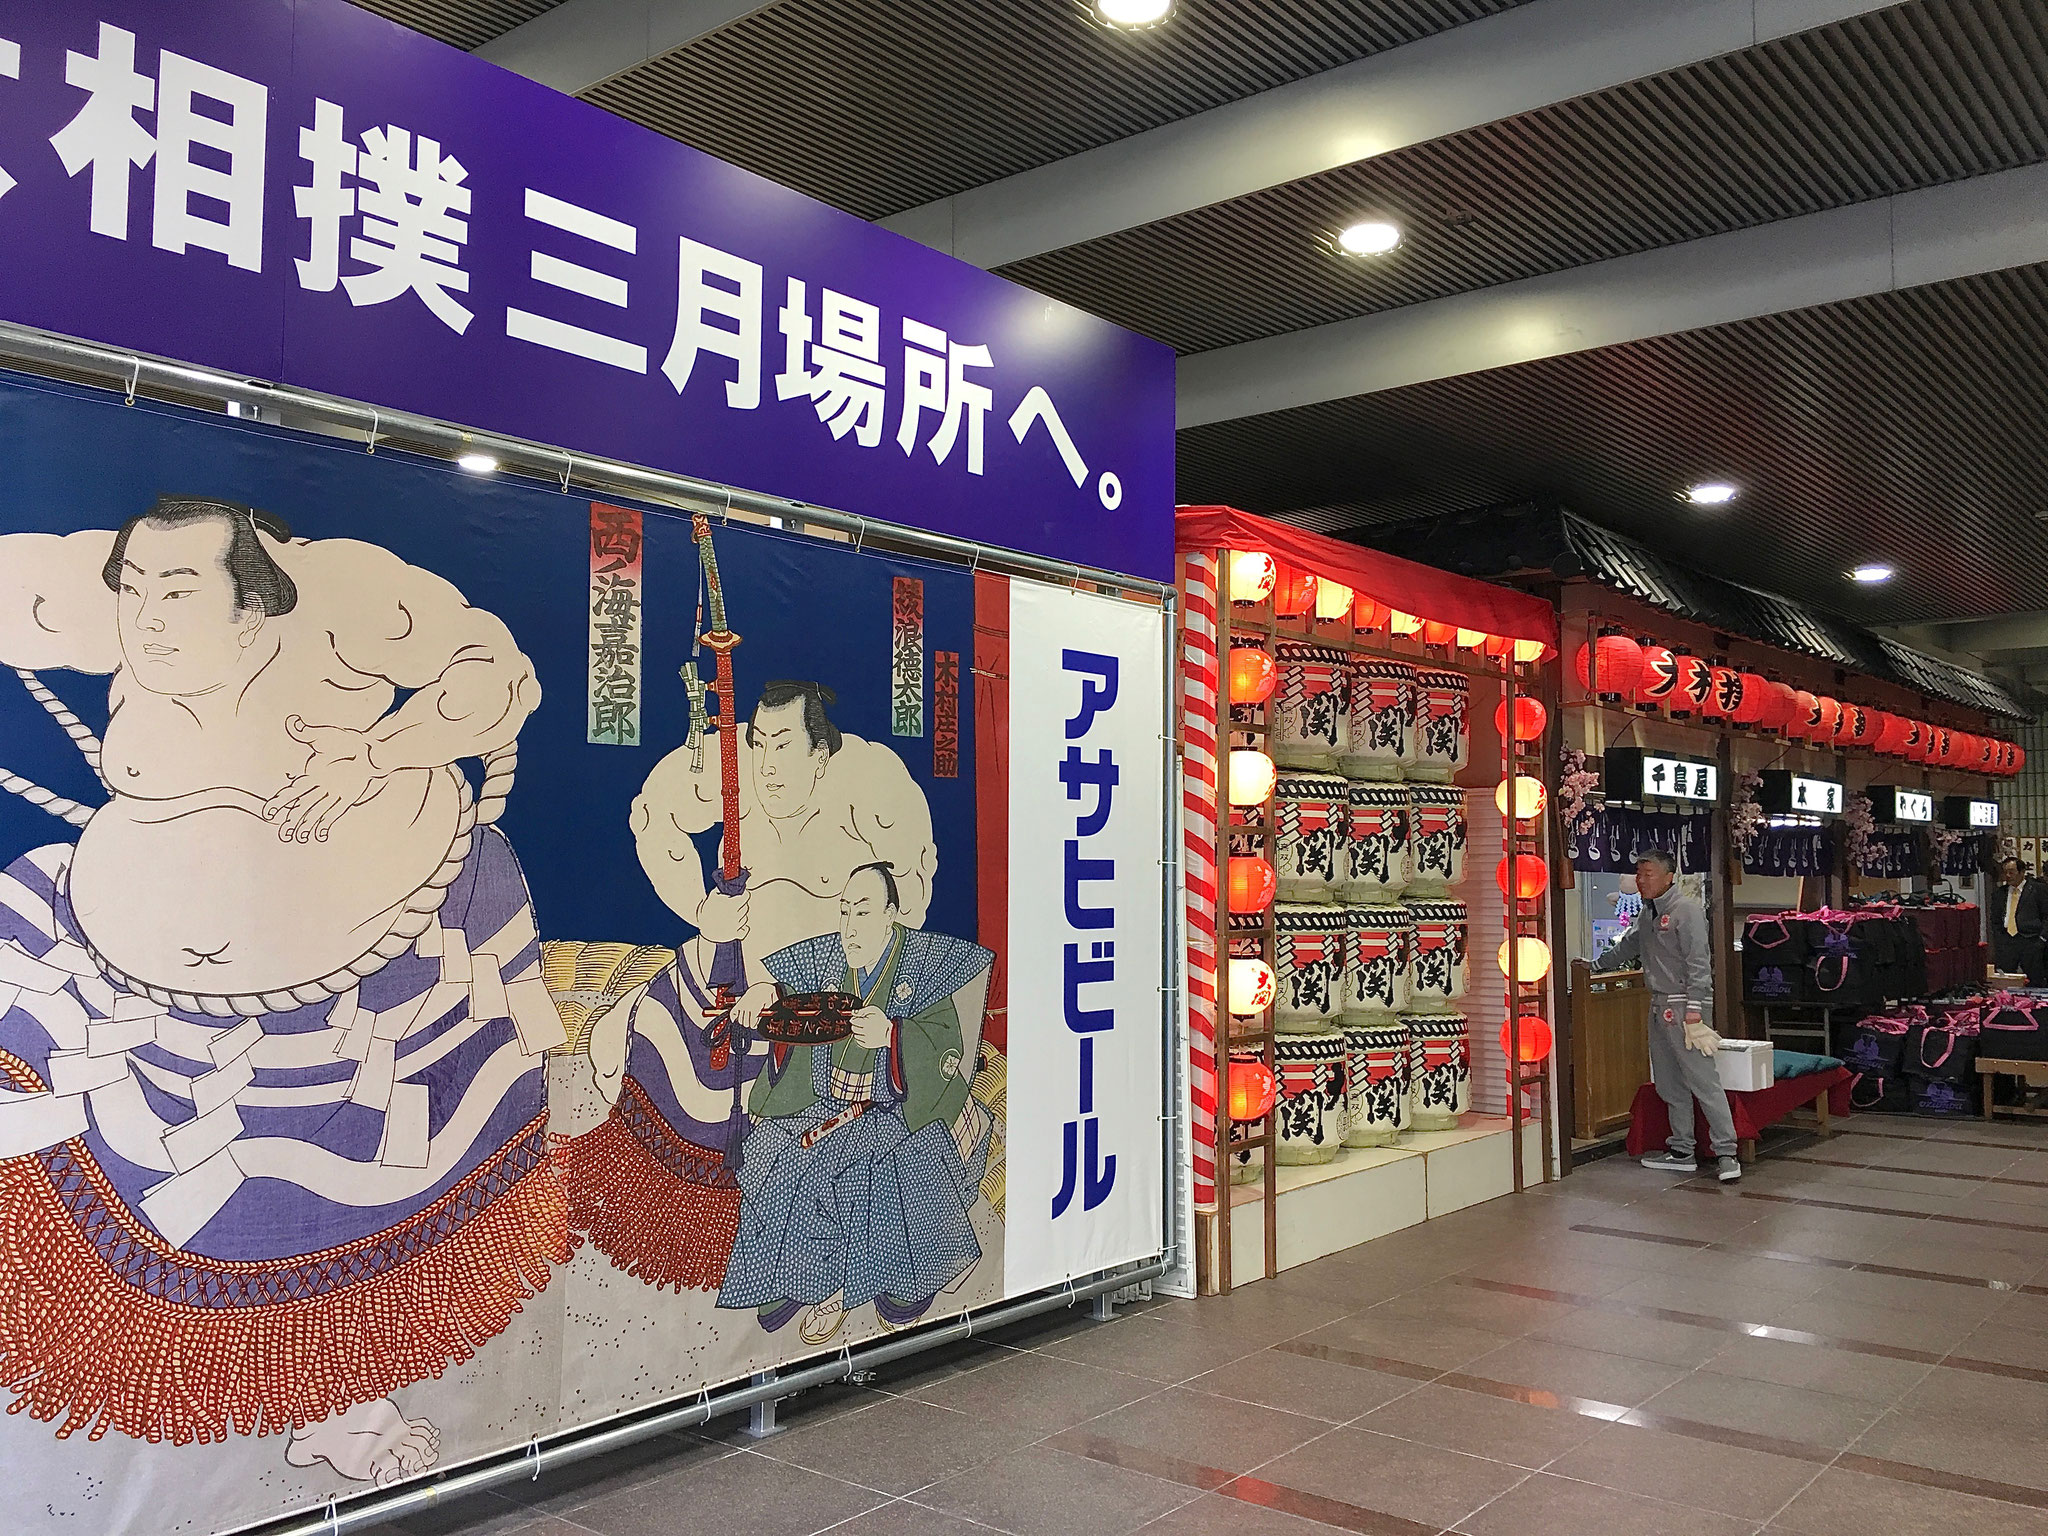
point(1710, 493)
point(1133, 13)
point(1871, 575)
point(477, 463)
point(1374, 237)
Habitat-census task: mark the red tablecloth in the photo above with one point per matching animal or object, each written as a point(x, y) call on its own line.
point(1649, 1123)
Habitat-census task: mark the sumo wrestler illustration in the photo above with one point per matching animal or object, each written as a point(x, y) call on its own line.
point(273, 1124)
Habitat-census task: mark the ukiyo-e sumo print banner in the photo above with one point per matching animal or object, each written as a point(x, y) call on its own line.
point(424, 1026)
point(299, 191)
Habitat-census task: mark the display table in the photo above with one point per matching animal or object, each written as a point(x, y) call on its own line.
point(1649, 1125)
point(2033, 1073)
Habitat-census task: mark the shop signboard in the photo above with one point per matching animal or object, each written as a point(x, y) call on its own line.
point(1962, 813)
point(1636, 774)
point(1897, 804)
point(1785, 793)
point(300, 192)
point(427, 1026)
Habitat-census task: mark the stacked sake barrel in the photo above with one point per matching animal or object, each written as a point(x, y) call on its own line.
point(1372, 941)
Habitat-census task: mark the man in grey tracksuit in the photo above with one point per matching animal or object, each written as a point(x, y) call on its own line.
point(1669, 940)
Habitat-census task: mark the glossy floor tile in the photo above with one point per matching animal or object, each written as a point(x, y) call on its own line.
point(1854, 1341)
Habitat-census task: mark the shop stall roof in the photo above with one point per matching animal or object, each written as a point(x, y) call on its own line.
point(1539, 539)
point(1423, 590)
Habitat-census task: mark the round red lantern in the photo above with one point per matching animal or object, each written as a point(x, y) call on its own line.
point(1536, 1038)
point(1724, 692)
point(1754, 703)
point(2008, 758)
point(1252, 1089)
point(1294, 594)
point(1252, 674)
point(1434, 633)
point(1805, 716)
point(1658, 677)
point(1916, 741)
point(1500, 647)
point(1941, 743)
point(1983, 752)
point(1367, 614)
point(1695, 684)
point(1854, 730)
point(1882, 724)
point(1252, 884)
point(1530, 717)
point(1619, 662)
point(1781, 703)
point(1828, 716)
point(1530, 875)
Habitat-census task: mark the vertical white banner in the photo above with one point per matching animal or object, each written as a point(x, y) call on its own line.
point(1087, 1025)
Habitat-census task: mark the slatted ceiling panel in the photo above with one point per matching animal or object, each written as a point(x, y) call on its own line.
point(879, 105)
point(1906, 427)
point(465, 23)
point(1897, 100)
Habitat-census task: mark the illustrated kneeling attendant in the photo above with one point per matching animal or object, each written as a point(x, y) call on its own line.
point(858, 1181)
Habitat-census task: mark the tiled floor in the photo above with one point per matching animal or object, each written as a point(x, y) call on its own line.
point(1854, 1342)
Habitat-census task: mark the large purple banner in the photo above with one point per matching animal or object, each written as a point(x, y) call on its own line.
point(298, 191)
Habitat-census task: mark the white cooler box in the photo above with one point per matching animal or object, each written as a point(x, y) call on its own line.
point(1745, 1065)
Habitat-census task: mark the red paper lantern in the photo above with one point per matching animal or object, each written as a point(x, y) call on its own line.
point(1829, 718)
point(1531, 875)
point(1805, 716)
point(1367, 614)
point(1780, 704)
point(1434, 633)
point(1657, 678)
point(1252, 674)
point(1724, 693)
point(1294, 594)
point(1500, 647)
point(1754, 703)
point(1942, 744)
point(1536, 1038)
point(1530, 717)
point(1916, 741)
point(1891, 740)
point(1252, 1089)
point(2008, 758)
point(1983, 751)
point(1695, 686)
point(1619, 662)
point(1252, 884)
point(1854, 730)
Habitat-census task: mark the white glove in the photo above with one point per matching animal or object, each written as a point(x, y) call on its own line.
point(1700, 1037)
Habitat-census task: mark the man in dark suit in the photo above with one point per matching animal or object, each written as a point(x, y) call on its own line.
point(2018, 915)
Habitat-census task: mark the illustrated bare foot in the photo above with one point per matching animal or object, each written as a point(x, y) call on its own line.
point(370, 1442)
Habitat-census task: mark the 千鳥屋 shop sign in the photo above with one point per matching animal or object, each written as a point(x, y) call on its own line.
point(298, 191)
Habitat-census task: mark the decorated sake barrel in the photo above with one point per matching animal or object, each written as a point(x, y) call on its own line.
point(1438, 971)
point(1312, 1114)
point(1309, 717)
point(1310, 814)
point(1436, 838)
point(1379, 1065)
point(1443, 731)
point(1376, 860)
point(1309, 946)
point(1442, 1086)
point(1381, 740)
point(1376, 960)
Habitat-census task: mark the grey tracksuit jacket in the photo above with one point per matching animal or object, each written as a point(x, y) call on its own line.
point(1669, 940)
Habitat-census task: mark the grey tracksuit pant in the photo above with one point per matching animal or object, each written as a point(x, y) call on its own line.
point(1683, 1076)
